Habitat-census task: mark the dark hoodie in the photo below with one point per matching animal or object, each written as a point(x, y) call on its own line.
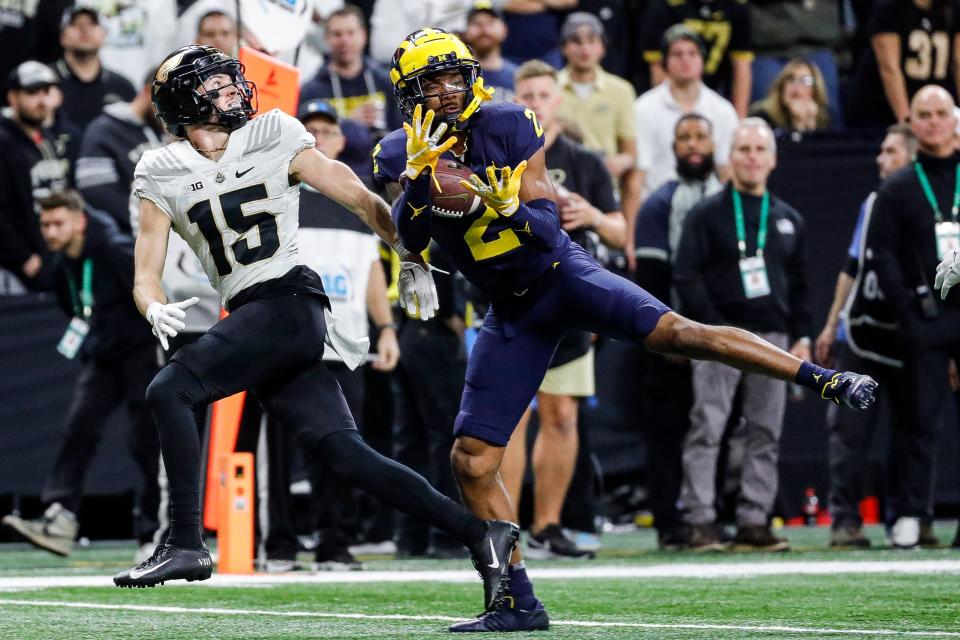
point(111, 147)
point(116, 327)
point(28, 171)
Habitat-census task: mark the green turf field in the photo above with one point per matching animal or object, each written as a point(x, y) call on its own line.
point(788, 605)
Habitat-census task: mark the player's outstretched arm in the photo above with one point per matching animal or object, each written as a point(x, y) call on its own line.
point(418, 294)
point(336, 180)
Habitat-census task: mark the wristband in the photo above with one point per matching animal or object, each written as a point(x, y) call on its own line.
point(401, 250)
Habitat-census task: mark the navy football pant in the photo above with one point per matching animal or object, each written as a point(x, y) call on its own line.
point(519, 336)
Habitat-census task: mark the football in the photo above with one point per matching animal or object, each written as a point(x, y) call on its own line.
point(452, 200)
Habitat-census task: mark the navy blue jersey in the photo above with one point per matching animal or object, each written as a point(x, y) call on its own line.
point(493, 255)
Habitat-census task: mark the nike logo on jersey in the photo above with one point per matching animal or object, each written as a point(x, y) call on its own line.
point(134, 574)
point(240, 174)
point(416, 210)
point(493, 555)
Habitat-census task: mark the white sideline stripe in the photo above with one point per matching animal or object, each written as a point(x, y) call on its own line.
point(719, 570)
point(397, 617)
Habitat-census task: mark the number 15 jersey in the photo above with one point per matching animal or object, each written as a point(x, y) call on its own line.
point(240, 213)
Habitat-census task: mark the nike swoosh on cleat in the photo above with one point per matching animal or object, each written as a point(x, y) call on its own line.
point(134, 574)
point(493, 553)
point(240, 174)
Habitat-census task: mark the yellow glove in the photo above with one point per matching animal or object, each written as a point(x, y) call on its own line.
point(503, 195)
point(424, 149)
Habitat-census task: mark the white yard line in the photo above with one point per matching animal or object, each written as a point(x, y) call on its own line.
point(719, 570)
point(571, 623)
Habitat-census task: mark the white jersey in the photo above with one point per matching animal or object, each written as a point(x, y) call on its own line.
point(239, 214)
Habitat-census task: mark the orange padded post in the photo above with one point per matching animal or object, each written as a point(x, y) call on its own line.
point(225, 418)
point(235, 530)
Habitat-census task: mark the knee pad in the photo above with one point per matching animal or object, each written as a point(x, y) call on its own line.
point(175, 383)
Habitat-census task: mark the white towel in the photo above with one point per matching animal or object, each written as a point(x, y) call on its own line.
point(352, 350)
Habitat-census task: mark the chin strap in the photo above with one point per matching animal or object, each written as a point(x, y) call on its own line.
point(481, 94)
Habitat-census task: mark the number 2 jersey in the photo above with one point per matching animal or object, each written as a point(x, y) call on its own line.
point(494, 253)
point(240, 213)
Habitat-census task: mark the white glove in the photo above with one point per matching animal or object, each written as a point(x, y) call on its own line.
point(418, 293)
point(167, 319)
point(948, 273)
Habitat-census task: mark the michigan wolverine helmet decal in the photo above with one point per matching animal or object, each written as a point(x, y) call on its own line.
point(180, 99)
point(427, 52)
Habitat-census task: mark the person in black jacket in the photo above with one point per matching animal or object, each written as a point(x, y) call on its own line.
point(741, 262)
point(86, 84)
point(30, 168)
point(915, 224)
point(93, 277)
point(110, 149)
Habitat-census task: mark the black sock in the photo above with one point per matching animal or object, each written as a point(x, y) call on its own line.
point(521, 589)
point(347, 455)
point(173, 396)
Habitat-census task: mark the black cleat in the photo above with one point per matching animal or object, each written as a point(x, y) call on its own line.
point(491, 558)
point(168, 563)
point(854, 390)
point(504, 619)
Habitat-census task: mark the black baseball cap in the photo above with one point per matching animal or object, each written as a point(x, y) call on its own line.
point(75, 11)
point(318, 108)
point(484, 6)
point(31, 75)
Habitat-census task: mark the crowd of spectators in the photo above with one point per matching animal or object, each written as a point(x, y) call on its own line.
point(653, 110)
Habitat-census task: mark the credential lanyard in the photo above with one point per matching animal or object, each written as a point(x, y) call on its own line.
point(928, 192)
point(83, 302)
point(741, 228)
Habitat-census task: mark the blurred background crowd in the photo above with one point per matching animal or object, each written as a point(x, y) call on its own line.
point(643, 103)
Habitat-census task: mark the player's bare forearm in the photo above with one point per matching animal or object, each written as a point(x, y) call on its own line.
point(676, 335)
point(376, 214)
point(149, 256)
point(336, 180)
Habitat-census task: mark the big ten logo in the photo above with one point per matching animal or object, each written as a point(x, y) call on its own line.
point(337, 283)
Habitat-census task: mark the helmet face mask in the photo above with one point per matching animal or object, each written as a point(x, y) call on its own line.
point(421, 57)
point(181, 99)
point(427, 86)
